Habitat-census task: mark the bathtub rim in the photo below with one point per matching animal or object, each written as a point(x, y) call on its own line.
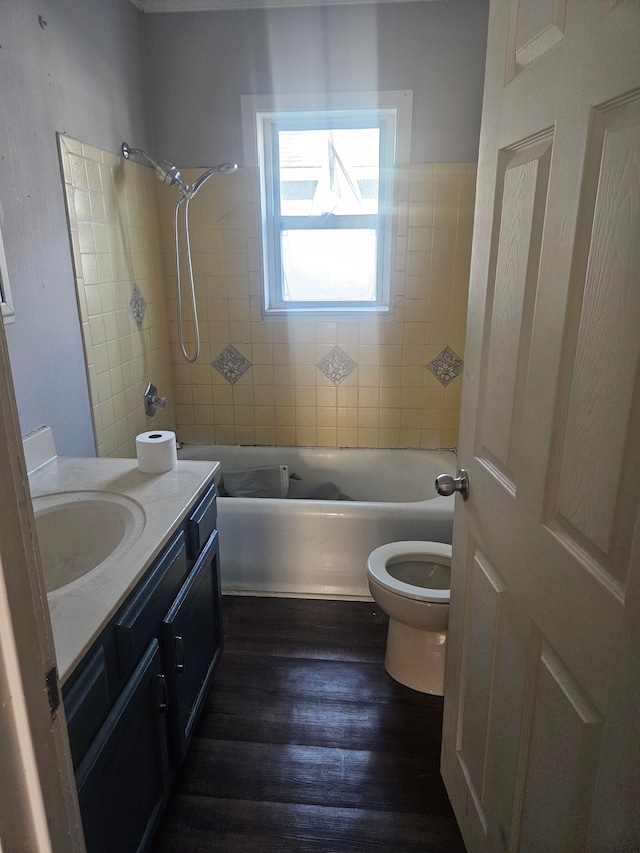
point(446, 456)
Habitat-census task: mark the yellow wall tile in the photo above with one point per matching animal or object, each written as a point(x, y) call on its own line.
point(369, 375)
point(245, 435)
point(388, 437)
point(202, 395)
point(285, 436)
point(327, 396)
point(265, 435)
point(305, 436)
point(326, 416)
point(306, 416)
point(284, 395)
point(368, 437)
point(285, 416)
point(264, 395)
point(411, 438)
point(305, 396)
point(224, 435)
point(326, 437)
point(369, 397)
point(204, 434)
point(305, 375)
point(243, 395)
point(368, 418)
point(347, 417)
point(431, 439)
point(391, 397)
point(390, 418)
point(261, 374)
point(390, 400)
point(265, 416)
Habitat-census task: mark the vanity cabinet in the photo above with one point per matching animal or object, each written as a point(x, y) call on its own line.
point(133, 701)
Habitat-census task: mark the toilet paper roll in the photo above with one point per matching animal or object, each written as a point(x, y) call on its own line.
point(156, 451)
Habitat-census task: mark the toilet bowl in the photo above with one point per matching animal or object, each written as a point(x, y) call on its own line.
point(411, 582)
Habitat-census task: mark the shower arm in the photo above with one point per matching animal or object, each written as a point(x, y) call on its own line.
point(170, 175)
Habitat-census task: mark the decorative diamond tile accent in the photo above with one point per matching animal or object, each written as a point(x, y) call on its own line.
point(446, 366)
point(336, 365)
point(231, 364)
point(137, 306)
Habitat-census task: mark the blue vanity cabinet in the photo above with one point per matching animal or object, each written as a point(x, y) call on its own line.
point(133, 701)
point(192, 640)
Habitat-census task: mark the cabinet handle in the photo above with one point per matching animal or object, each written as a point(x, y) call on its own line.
point(164, 695)
point(178, 649)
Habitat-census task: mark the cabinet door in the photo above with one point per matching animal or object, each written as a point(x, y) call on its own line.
point(139, 620)
point(123, 780)
point(192, 639)
point(86, 704)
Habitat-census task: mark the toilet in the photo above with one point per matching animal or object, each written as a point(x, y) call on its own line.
point(411, 582)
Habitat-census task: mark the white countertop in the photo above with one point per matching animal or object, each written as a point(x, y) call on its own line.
point(80, 610)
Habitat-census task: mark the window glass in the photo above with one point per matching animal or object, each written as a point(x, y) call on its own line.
point(329, 265)
point(329, 171)
point(327, 194)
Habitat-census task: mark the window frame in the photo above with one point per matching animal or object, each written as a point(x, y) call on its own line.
point(263, 117)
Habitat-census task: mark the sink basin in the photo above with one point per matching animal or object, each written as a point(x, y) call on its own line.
point(82, 531)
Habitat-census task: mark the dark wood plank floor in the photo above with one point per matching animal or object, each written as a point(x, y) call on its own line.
point(306, 744)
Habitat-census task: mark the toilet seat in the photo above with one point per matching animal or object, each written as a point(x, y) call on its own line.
point(377, 568)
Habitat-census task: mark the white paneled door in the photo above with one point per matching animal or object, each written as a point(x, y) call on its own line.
point(541, 744)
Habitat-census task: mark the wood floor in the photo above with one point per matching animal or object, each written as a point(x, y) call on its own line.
point(306, 744)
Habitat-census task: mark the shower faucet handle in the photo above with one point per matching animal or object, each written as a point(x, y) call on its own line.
point(152, 401)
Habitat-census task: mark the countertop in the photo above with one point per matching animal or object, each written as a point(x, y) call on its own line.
point(80, 610)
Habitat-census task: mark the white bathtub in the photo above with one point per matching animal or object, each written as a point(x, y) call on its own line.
point(309, 548)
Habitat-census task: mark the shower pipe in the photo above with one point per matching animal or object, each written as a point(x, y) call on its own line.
point(170, 176)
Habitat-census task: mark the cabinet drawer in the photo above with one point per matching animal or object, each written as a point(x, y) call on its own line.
point(202, 522)
point(86, 705)
point(138, 623)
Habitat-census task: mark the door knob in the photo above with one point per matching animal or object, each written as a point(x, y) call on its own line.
point(446, 484)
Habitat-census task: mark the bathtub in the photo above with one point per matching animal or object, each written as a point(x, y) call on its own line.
point(310, 548)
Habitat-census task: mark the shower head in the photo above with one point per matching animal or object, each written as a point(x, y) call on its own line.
point(221, 169)
point(169, 174)
point(225, 168)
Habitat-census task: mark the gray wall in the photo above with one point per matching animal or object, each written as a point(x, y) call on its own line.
point(78, 66)
point(78, 70)
point(201, 63)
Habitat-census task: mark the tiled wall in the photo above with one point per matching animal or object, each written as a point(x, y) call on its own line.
point(113, 222)
point(404, 386)
point(379, 383)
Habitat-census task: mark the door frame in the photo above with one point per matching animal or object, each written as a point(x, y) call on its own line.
point(39, 810)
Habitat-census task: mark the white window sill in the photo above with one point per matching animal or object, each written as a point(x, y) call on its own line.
point(332, 315)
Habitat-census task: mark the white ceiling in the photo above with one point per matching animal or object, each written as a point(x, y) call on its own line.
point(216, 5)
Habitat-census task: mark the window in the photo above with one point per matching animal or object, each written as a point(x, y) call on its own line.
point(327, 180)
